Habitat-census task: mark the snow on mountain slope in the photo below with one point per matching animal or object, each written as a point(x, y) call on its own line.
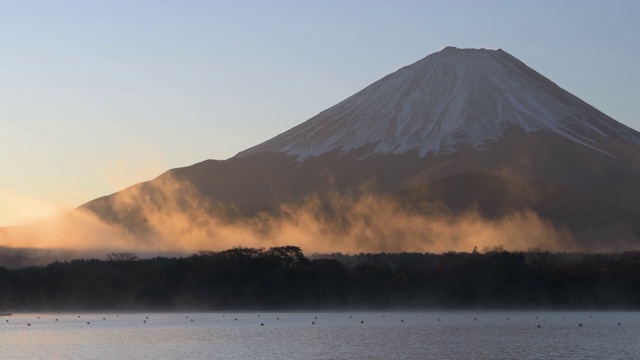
point(451, 99)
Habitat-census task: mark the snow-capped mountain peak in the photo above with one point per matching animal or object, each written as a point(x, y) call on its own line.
point(450, 99)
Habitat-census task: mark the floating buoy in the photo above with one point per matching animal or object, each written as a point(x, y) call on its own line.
point(144, 321)
point(78, 316)
point(56, 319)
point(401, 320)
point(104, 318)
point(539, 326)
point(277, 318)
point(580, 324)
point(29, 324)
point(236, 319)
point(383, 316)
point(438, 319)
point(88, 323)
point(222, 315)
point(147, 317)
point(361, 322)
point(38, 317)
point(619, 324)
point(191, 320)
point(186, 317)
point(316, 317)
point(261, 324)
point(313, 323)
point(474, 319)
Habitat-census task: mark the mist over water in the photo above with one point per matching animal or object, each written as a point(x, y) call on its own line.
point(170, 217)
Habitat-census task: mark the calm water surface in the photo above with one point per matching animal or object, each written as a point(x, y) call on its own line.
point(335, 335)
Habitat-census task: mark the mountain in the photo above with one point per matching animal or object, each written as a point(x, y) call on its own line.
point(451, 99)
point(469, 134)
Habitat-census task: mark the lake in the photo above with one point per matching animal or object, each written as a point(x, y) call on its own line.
point(323, 335)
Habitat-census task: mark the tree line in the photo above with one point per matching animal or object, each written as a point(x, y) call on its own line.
point(282, 278)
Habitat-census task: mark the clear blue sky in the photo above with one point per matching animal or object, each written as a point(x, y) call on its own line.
point(99, 95)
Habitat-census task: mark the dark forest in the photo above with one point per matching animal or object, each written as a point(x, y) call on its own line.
point(282, 278)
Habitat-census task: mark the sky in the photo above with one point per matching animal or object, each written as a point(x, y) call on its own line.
point(96, 96)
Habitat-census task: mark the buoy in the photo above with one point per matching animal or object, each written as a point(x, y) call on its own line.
point(361, 322)
point(580, 324)
point(539, 326)
point(38, 317)
point(383, 316)
point(236, 319)
point(401, 320)
point(619, 324)
point(186, 317)
point(56, 319)
point(88, 323)
point(474, 319)
point(147, 317)
point(191, 320)
point(222, 315)
point(261, 324)
point(144, 321)
point(438, 319)
point(313, 323)
point(316, 317)
point(277, 318)
point(78, 316)
point(104, 318)
point(29, 324)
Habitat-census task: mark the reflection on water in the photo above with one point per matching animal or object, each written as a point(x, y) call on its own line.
point(323, 335)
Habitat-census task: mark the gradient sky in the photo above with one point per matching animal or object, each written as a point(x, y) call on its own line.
point(98, 95)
